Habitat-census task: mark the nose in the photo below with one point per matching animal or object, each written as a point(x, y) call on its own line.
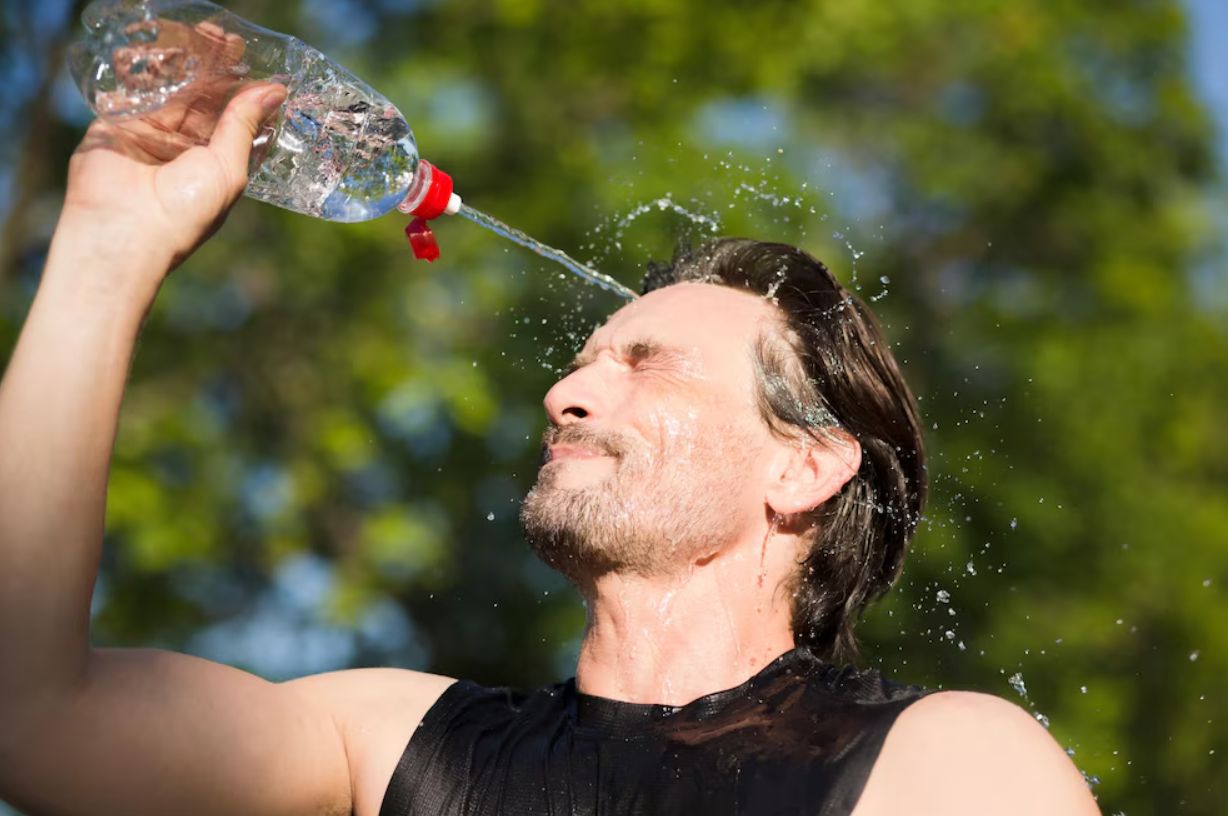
point(581, 395)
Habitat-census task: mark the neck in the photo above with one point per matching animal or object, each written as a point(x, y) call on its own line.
point(671, 639)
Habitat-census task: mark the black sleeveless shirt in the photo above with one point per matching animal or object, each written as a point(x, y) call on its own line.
point(800, 737)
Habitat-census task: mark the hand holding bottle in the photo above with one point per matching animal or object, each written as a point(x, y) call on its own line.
point(126, 202)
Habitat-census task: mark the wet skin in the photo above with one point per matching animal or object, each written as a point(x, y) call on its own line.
point(657, 425)
point(665, 372)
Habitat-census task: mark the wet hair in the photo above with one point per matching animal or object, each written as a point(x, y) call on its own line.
point(826, 371)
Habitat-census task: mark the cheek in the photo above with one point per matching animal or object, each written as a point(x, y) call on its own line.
point(703, 443)
point(677, 432)
point(700, 430)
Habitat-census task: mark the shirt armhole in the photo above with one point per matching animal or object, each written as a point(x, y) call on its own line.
point(851, 781)
point(406, 785)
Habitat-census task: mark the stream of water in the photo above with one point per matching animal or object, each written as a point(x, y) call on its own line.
point(584, 271)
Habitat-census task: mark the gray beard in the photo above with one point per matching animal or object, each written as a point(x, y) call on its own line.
point(635, 522)
point(583, 533)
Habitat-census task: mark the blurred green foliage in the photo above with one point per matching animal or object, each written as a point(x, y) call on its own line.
point(324, 444)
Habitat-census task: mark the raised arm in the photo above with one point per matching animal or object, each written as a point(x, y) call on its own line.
point(139, 731)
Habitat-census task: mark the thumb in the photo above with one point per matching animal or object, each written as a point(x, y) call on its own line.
point(240, 123)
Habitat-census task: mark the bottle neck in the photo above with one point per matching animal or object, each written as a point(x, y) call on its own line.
point(418, 188)
point(430, 193)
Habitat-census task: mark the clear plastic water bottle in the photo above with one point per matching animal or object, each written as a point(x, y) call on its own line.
point(163, 70)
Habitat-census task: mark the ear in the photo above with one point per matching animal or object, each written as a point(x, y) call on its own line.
point(807, 473)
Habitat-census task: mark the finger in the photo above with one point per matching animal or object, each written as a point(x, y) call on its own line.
point(202, 116)
point(139, 140)
point(194, 110)
point(222, 50)
point(210, 42)
point(211, 46)
point(240, 122)
point(236, 46)
point(226, 74)
point(204, 109)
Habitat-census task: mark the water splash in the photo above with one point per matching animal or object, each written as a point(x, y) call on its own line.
point(571, 264)
point(607, 237)
point(665, 203)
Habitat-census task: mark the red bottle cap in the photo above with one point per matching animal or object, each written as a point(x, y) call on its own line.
point(421, 239)
point(435, 201)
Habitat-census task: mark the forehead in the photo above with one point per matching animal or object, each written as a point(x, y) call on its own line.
point(708, 321)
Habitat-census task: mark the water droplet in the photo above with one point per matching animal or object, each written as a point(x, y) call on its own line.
point(1194, 655)
point(1014, 524)
point(943, 596)
point(490, 516)
point(1016, 681)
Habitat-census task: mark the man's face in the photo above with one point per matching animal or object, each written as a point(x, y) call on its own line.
point(655, 452)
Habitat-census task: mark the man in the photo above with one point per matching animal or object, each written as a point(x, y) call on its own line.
point(733, 470)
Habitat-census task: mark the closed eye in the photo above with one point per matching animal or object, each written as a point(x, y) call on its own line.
point(659, 359)
point(639, 354)
point(642, 352)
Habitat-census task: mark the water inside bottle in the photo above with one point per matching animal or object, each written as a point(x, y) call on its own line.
point(342, 151)
point(338, 150)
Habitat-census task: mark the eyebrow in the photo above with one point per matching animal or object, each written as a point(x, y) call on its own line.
point(635, 351)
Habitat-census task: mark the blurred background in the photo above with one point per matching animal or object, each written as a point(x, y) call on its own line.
point(325, 442)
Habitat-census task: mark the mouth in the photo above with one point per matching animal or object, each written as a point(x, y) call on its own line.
point(556, 452)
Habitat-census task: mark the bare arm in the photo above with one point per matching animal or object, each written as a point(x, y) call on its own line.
point(955, 753)
point(140, 731)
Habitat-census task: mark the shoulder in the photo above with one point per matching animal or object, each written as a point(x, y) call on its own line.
point(376, 711)
point(961, 752)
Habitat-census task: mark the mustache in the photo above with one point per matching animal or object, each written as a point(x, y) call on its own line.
point(608, 443)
